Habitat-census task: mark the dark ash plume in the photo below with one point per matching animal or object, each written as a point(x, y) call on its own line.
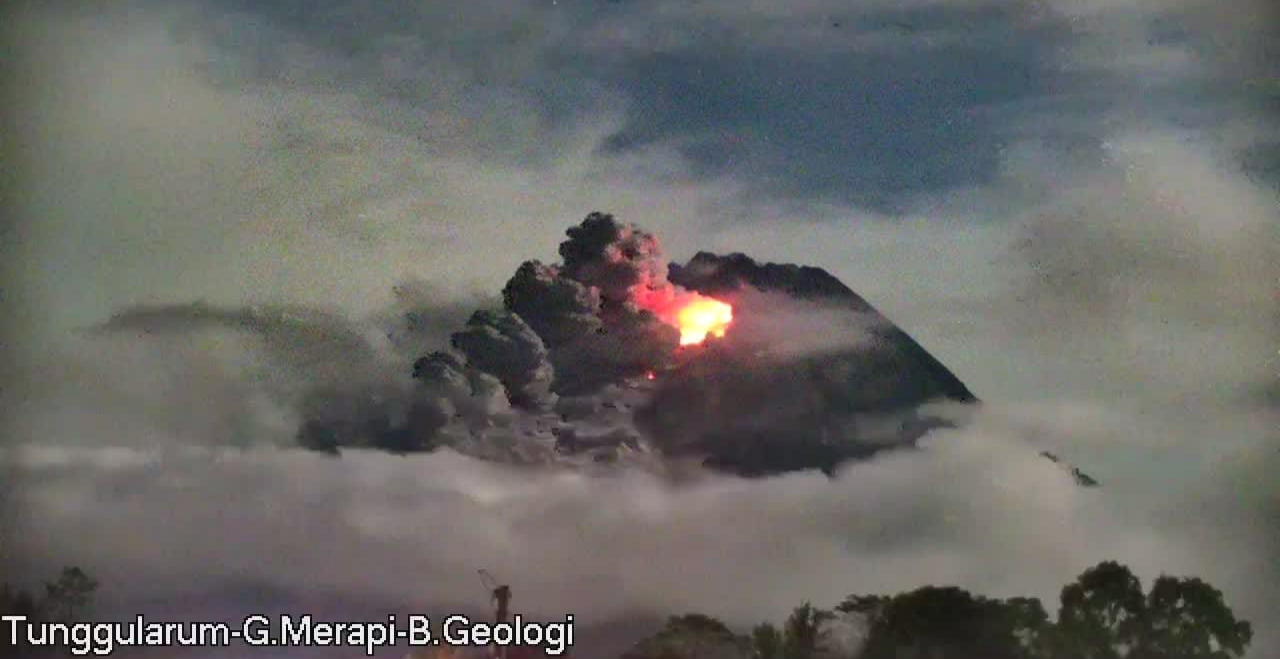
point(500, 343)
point(591, 311)
point(618, 259)
point(558, 308)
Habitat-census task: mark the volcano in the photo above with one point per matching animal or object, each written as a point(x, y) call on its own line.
point(615, 355)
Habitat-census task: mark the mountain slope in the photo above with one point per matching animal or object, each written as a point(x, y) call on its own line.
point(809, 376)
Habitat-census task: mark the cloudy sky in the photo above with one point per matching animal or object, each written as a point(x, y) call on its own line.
point(1071, 203)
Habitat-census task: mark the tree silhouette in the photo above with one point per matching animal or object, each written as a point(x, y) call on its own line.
point(1100, 615)
point(692, 636)
point(67, 597)
point(803, 632)
point(1187, 619)
point(1027, 620)
point(767, 641)
point(945, 622)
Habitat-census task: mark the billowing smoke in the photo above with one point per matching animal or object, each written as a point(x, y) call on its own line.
point(628, 267)
point(558, 308)
point(619, 260)
point(500, 343)
point(519, 378)
point(596, 312)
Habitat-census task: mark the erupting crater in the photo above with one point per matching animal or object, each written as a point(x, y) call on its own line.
point(702, 316)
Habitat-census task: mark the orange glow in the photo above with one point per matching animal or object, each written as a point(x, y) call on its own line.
point(701, 317)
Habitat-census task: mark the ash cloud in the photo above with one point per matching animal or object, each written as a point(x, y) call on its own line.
point(596, 309)
point(500, 343)
point(560, 309)
point(619, 260)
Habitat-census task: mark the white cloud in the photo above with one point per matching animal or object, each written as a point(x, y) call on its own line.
point(976, 507)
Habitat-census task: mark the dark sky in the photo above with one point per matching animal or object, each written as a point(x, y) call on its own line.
point(1071, 203)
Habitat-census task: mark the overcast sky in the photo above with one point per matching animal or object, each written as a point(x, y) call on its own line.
point(1071, 203)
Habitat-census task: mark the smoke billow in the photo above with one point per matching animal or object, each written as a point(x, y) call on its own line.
point(558, 308)
point(619, 260)
point(575, 330)
point(606, 313)
point(502, 344)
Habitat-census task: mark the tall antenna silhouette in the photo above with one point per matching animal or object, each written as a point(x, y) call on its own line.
point(500, 598)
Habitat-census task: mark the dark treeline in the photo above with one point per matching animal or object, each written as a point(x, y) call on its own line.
point(1103, 614)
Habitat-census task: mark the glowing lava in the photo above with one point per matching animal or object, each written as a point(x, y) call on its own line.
point(701, 317)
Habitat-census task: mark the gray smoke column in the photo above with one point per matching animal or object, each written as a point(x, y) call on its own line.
point(570, 329)
point(625, 264)
point(607, 312)
point(500, 343)
point(465, 391)
point(559, 309)
point(620, 260)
